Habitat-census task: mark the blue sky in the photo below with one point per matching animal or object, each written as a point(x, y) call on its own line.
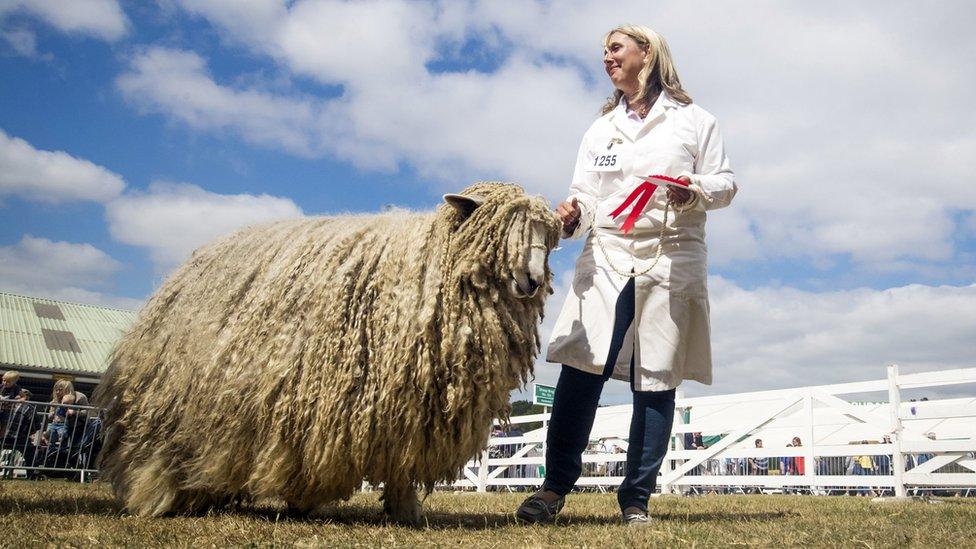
point(133, 132)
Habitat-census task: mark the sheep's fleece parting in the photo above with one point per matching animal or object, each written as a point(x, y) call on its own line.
point(293, 360)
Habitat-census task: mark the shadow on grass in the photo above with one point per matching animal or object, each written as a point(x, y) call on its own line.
point(42, 501)
point(67, 504)
point(367, 516)
point(718, 516)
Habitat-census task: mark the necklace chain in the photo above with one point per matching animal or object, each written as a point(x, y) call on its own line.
point(657, 254)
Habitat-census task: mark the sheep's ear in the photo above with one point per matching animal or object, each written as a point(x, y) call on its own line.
point(465, 205)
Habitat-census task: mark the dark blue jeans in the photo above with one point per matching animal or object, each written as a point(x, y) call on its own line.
point(574, 408)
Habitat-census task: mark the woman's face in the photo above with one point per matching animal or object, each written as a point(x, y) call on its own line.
point(623, 60)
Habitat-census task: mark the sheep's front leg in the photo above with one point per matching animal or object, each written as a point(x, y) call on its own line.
point(401, 504)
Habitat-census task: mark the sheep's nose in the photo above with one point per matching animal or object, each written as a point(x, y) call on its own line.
point(533, 285)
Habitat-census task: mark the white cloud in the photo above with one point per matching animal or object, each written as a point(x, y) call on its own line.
point(509, 135)
point(851, 132)
point(52, 176)
point(782, 337)
point(329, 41)
point(24, 43)
point(60, 270)
point(178, 84)
point(254, 23)
point(173, 219)
point(101, 18)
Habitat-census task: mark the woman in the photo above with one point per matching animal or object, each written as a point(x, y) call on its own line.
point(638, 309)
point(64, 387)
point(798, 461)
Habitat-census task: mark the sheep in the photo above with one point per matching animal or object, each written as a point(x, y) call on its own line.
point(294, 360)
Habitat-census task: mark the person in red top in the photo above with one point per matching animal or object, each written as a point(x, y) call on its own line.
point(798, 461)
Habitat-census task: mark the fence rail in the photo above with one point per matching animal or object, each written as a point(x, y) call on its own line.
point(43, 438)
point(889, 446)
point(885, 446)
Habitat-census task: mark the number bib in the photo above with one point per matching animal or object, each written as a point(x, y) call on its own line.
point(607, 159)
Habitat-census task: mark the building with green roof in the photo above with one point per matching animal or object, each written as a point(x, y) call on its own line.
point(46, 340)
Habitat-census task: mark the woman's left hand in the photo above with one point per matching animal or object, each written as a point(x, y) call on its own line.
point(680, 196)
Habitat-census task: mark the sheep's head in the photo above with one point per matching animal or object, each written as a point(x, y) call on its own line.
point(513, 234)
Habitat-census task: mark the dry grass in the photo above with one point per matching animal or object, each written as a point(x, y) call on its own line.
point(70, 514)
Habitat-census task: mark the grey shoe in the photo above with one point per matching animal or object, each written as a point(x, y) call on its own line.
point(636, 520)
point(535, 510)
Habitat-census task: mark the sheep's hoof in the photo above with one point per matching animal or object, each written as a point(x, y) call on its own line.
point(407, 515)
point(402, 506)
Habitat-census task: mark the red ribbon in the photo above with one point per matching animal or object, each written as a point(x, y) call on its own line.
point(642, 194)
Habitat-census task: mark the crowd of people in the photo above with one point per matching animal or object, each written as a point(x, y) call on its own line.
point(868, 464)
point(60, 435)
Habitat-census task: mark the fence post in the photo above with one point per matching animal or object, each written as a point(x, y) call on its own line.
point(545, 433)
point(810, 457)
point(897, 458)
point(483, 468)
point(679, 444)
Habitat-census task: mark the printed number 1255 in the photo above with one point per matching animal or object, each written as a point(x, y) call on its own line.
point(605, 161)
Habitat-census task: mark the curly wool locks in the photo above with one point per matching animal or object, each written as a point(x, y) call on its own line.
point(294, 360)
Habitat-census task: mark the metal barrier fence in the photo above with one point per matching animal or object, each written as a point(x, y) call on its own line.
point(882, 448)
point(875, 448)
point(47, 439)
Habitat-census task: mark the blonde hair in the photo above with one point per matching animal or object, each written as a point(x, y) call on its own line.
point(658, 73)
point(63, 385)
point(11, 376)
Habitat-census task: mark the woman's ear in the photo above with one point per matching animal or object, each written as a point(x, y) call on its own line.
point(465, 205)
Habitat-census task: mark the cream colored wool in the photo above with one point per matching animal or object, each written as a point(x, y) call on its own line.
point(296, 359)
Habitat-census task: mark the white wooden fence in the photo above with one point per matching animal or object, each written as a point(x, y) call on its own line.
point(932, 442)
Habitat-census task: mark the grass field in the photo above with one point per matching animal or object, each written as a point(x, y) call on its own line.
point(71, 514)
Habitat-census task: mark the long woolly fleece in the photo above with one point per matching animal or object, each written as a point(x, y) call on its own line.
point(296, 359)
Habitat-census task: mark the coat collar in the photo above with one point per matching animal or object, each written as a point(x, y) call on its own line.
point(618, 115)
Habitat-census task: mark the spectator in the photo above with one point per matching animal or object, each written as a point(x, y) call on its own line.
point(8, 392)
point(20, 419)
point(620, 467)
point(57, 430)
point(535, 471)
point(73, 416)
point(10, 389)
point(497, 450)
point(786, 463)
point(884, 461)
point(513, 431)
point(64, 387)
point(864, 465)
point(922, 458)
point(759, 465)
point(696, 442)
point(18, 435)
point(798, 461)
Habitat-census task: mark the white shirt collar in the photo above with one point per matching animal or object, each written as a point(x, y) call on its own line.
point(664, 100)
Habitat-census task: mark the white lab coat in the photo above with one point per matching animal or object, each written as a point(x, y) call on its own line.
point(671, 301)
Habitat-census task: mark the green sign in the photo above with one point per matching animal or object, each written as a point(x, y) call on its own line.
point(543, 394)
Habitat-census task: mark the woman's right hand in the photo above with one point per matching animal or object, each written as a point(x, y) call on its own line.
point(569, 214)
